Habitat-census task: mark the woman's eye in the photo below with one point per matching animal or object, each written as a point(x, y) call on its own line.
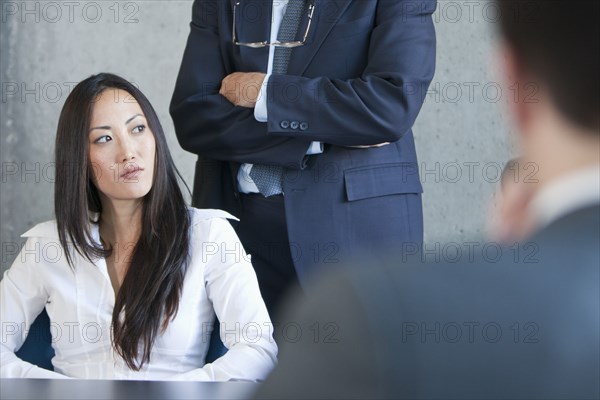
point(139, 129)
point(103, 139)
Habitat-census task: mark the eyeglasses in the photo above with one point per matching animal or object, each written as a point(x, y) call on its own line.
point(296, 43)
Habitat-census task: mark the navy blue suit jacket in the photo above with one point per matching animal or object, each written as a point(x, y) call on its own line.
point(360, 79)
point(519, 322)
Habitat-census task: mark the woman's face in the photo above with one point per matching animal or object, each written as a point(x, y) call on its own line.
point(122, 147)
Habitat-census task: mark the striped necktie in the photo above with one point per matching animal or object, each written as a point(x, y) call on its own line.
point(269, 178)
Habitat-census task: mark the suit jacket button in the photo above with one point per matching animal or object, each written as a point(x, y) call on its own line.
point(284, 124)
point(303, 126)
point(294, 125)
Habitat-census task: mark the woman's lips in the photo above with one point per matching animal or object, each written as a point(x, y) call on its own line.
point(132, 173)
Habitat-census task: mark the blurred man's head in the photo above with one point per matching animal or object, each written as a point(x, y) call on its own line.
point(552, 59)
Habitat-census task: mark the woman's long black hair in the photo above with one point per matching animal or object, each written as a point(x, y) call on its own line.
point(149, 296)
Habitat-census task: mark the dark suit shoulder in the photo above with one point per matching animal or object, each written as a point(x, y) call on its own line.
point(524, 324)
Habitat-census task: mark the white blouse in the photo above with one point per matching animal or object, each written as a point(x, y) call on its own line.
point(80, 301)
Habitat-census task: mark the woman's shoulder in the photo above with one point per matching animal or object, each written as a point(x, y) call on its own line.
point(207, 214)
point(211, 224)
point(46, 229)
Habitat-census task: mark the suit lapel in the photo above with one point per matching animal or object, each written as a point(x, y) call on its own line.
point(326, 15)
point(254, 24)
point(253, 20)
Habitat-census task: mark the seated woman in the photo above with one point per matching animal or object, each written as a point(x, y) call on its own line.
point(130, 276)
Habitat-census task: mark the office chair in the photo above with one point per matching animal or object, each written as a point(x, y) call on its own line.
point(37, 348)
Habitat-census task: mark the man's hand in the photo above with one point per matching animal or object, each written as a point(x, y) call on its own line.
point(512, 220)
point(369, 146)
point(242, 88)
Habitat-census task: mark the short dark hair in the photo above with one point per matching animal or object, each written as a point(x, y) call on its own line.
point(557, 42)
point(152, 286)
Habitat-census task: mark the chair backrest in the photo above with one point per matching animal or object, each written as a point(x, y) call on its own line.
point(37, 348)
point(216, 348)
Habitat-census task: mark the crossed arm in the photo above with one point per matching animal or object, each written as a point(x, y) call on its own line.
point(212, 118)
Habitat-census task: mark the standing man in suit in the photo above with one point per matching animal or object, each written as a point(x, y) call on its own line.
point(519, 322)
point(301, 113)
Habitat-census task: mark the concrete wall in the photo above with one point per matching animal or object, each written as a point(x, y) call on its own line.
point(46, 47)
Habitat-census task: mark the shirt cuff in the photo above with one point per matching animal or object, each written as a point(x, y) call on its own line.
point(260, 108)
point(315, 148)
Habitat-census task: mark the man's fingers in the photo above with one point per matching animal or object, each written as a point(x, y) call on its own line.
point(242, 88)
point(369, 146)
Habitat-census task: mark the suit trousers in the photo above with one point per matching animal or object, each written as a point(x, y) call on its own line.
point(263, 232)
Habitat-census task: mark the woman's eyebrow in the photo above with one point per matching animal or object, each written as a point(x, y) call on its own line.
point(132, 118)
point(106, 127)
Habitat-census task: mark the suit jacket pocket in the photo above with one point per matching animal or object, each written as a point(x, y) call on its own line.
point(382, 180)
point(351, 28)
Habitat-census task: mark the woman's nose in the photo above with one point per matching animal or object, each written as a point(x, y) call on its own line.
point(128, 156)
point(127, 153)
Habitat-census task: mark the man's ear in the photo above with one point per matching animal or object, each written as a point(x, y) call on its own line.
point(519, 89)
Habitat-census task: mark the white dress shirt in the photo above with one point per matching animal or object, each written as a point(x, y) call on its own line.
point(566, 194)
point(219, 279)
point(245, 182)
